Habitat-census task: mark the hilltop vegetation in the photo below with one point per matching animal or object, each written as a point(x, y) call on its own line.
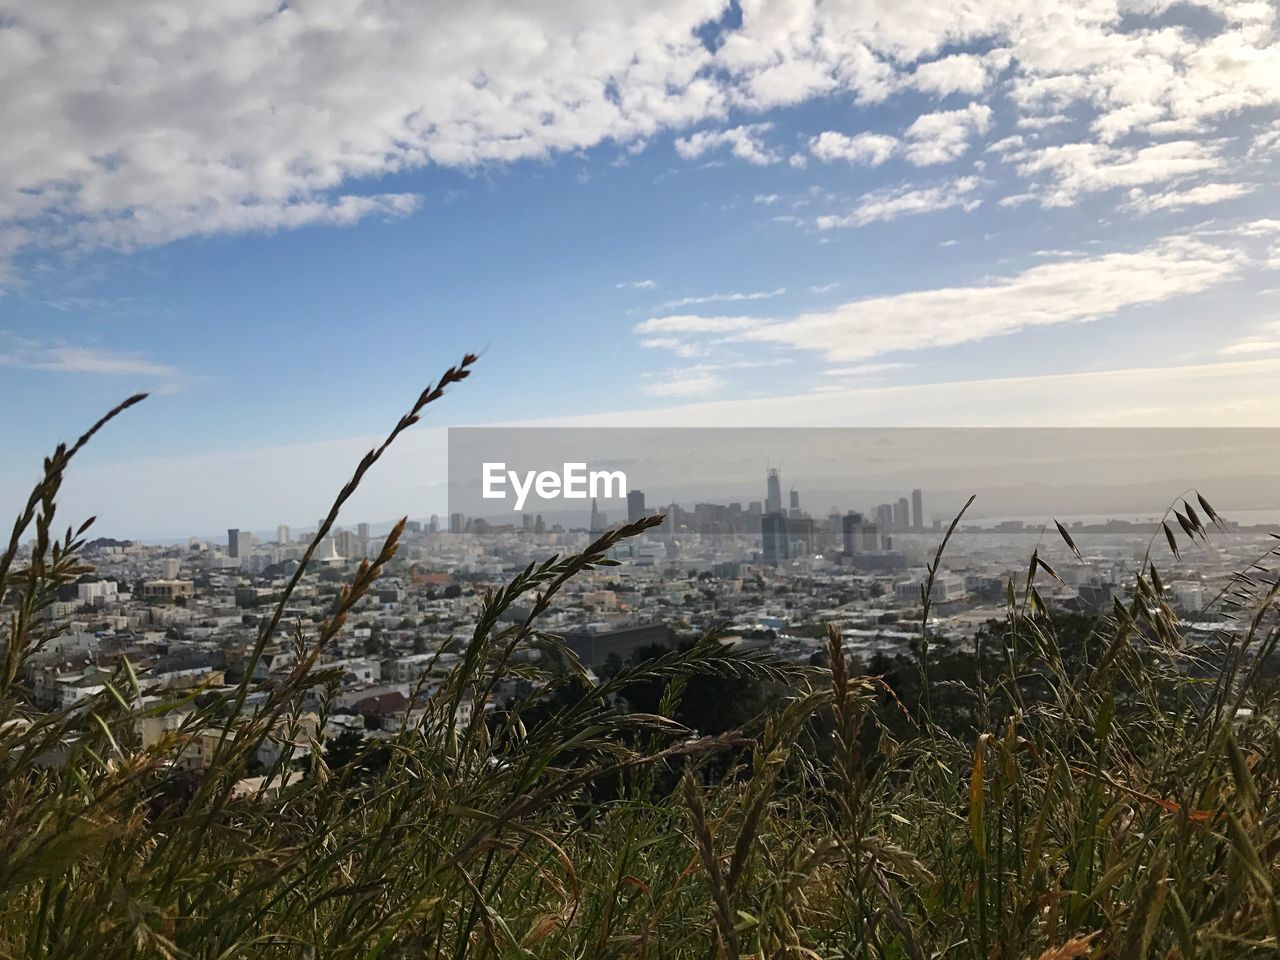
point(1068, 789)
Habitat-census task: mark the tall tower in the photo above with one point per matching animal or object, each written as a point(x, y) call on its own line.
point(851, 528)
point(884, 517)
point(773, 494)
point(239, 543)
point(917, 509)
point(598, 521)
point(635, 505)
point(774, 538)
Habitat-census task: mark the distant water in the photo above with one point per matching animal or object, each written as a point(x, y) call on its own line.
point(1246, 518)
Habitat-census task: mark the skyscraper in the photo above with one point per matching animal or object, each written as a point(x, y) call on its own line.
point(773, 495)
point(635, 505)
point(774, 538)
point(282, 534)
point(851, 528)
point(884, 516)
point(598, 520)
point(917, 509)
point(795, 500)
point(239, 543)
point(902, 515)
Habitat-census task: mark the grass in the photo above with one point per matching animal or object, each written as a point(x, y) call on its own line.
point(1101, 801)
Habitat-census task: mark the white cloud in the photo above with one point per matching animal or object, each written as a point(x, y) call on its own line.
point(724, 298)
point(684, 384)
point(681, 348)
point(1078, 168)
point(146, 122)
point(1007, 145)
point(1015, 199)
point(944, 136)
point(1266, 142)
point(1237, 391)
point(905, 201)
point(1069, 291)
point(824, 287)
point(871, 149)
point(61, 358)
point(1202, 195)
point(959, 73)
point(744, 142)
point(864, 369)
point(1265, 339)
point(691, 323)
point(1054, 293)
point(636, 285)
point(767, 199)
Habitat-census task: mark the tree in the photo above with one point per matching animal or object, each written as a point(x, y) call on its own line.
point(612, 665)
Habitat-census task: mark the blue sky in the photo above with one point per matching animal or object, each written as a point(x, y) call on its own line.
point(285, 219)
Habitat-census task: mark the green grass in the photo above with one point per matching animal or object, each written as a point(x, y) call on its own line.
point(1101, 802)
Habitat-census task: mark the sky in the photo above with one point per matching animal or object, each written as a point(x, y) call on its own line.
point(284, 219)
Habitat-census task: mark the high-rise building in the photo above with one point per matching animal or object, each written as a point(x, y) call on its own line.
point(598, 520)
point(239, 543)
point(539, 525)
point(362, 531)
point(526, 522)
point(456, 523)
point(802, 536)
point(870, 538)
point(795, 501)
point(902, 515)
point(884, 517)
point(774, 538)
point(635, 505)
point(282, 535)
point(917, 509)
point(773, 494)
point(348, 544)
point(851, 530)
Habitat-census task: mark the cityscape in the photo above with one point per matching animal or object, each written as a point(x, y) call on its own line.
point(640, 480)
point(768, 572)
